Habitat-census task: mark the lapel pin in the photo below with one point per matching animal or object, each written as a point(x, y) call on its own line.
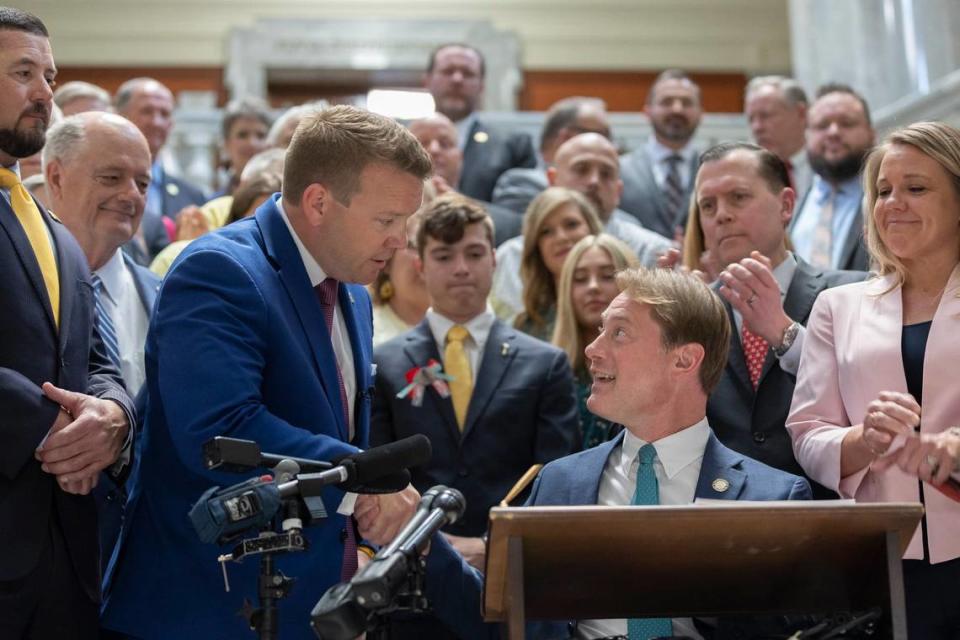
point(480, 137)
point(720, 485)
point(172, 189)
point(504, 349)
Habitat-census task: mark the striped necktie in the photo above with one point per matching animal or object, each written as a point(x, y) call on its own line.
point(673, 191)
point(822, 253)
point(648, 493)
point(108, 332)
point(32, 222)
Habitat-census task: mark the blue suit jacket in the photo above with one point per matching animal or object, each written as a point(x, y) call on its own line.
point(523, 411)
point(238, 347)
point(454, 587)
point(32, 351)
point(110, 493)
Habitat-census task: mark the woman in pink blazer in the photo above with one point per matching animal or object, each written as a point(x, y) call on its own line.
point(876, 409)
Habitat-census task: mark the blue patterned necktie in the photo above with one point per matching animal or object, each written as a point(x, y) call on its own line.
point(648, 492)
point(105, 324)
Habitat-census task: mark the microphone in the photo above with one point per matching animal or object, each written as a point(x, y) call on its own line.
point(222, 514)
point(345, 610)
point(234, 455)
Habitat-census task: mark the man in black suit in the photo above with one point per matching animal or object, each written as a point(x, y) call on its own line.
point(439, 137)
point(97, 167)
point(65, 413)
point(743, 205)
point(149, 104)
point(455, 80)
point(657, 177)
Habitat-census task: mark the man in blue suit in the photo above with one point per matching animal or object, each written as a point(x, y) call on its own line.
point(97, 167)
point(257, 335)
point(662, 349)
point(65, 414)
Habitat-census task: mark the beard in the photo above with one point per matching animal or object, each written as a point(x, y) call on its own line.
point(673, 128)
point(838, 171)
point(22, 143)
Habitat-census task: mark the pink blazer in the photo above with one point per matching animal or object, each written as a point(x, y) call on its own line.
point(851, 352)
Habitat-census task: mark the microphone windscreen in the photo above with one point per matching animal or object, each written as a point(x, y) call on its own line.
point(390, 458)
point(390, 483)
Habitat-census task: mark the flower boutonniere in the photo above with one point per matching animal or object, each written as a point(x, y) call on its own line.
point(419, 378)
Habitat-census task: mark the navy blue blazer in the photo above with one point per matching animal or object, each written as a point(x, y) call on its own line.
point(488, 153)
point(33, 351)
point(523, 411)
point(238, 346)
point(455, 588)
point(177, 194)
point(110, 493)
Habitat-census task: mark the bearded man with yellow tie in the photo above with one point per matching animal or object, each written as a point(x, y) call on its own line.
point(65, 414)
point(509, 400)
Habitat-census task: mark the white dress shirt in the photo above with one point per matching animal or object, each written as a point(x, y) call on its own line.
point(340, 337)
point(121, 299)
point(677, 467)
point(783, 274)
point(479, 328)
point(463, 130)
point(660, 166)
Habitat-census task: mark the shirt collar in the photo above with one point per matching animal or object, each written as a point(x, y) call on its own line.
point(464, 127)
point(478, 326)
point(111, 275)
point(314, 271)
point(675, 452)
point(783, 273)
point(823, 189)
point(660, 152)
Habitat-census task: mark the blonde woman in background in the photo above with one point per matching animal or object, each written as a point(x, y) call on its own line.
point(587, 286)
point(555, 221)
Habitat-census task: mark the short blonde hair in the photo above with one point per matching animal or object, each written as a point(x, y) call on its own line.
point(941, 143)
point(539, 288)
point(687, 311)
point(567, 333)
point(334, 146)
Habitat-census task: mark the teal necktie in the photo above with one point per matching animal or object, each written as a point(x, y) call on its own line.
point(648, 492)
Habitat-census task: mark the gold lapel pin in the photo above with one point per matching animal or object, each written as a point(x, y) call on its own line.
point(480, 137)
point(504, 349)
point(173, 189)
point(720, 485)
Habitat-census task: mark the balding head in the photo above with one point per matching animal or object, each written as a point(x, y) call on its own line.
point(589, 163)
point(97, 167)
point(438, 135)
point(148, 104)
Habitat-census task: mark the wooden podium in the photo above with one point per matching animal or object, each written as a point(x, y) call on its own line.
point(574, 563)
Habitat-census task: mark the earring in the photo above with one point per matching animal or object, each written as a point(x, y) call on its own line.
point(386, 290)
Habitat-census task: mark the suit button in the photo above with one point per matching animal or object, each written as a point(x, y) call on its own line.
point(111, 497)
point(343, 535)
point(759, 437)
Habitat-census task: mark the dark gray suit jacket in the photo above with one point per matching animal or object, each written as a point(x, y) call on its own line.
point(644, 199)
point(855, 256)
point(752, 422)
point(488, 153)
point(517, 188)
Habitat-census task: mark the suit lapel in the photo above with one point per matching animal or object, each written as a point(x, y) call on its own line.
point(652, 188)
point(359, 346)
point(585, 488)
point(282, 250)
point(20, 242)
point(736, 362)
point(146, 290)
point(852, 241)
point(470, 160)
point(493, 366)
point(420, 347)
point(68, 285)
point(720, 477)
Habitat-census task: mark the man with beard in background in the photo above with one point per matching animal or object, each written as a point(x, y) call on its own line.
point(827, 231)
point(658, 177)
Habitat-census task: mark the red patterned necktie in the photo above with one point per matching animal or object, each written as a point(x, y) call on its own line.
point(327, 293)
point(754, 352)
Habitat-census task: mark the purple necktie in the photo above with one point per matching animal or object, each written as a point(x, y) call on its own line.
point(327, 293)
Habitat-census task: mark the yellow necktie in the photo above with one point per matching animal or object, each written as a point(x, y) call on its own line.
point(458, 367)
point(29, 216)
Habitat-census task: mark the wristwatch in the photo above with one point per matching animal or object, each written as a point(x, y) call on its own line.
point(789, 335)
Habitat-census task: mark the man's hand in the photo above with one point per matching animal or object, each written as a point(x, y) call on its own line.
point(85, 438)
point(673, 259)
point(380, 517)
point(191, 223)
point(473, 550)
point(751, 289)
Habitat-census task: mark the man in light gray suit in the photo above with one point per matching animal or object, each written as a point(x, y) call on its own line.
point(657, 177)
point(516, 188)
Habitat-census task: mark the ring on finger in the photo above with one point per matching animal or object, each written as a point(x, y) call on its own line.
point(752, 299)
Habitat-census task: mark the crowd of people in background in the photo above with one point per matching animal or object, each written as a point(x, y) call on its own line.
point(832, 260)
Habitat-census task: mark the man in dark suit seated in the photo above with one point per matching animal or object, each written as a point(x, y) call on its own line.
point(661, 351)
point(65, 415)
point(149, 104)
point(743, 205)
point(455, 80)
point(511, 402)
point(569, 117)
point(439, 137)
point(98, 167)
